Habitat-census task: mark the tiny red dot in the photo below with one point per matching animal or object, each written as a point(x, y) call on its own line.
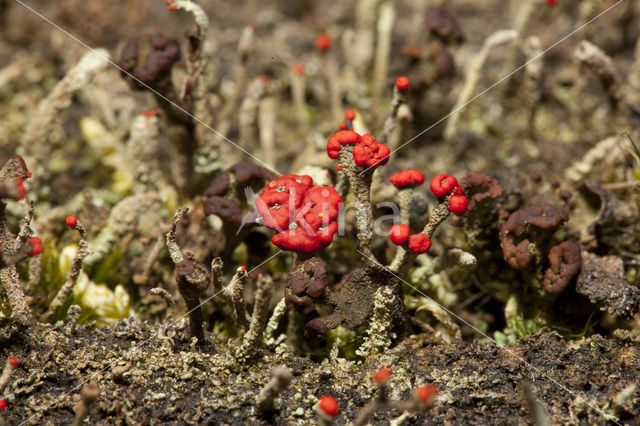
point(349, 115)
point(71, 221)
point(329, 405)
point(402, 83)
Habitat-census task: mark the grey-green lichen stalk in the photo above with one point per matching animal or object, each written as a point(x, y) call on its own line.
point(76, 267)
point(280, 380)
point(360, 183)
point(35, 147)
point(379, 335)
point(124, 218)
point(252, 340)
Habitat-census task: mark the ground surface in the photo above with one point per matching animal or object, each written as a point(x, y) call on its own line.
point(147, 379)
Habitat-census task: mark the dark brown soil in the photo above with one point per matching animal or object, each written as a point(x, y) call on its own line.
point(153, 375)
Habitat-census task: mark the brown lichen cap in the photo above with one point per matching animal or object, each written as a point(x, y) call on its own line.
point(565, 260)
point(315, 329)
point(218, 185)
point(246, 171)
point(445, 64)
point(226, 208)
point(148, 59)
point(242, 172)
point(185, 268)
point(442, 24)
point(482, 188)
point(545, 217)
point(306, 285)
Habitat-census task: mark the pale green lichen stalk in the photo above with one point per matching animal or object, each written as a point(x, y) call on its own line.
point(124, 217)
point(379, 336)
point(252, 340)
point(76, 267)
point(35, 147)
point(279, 311)
point(281, 378)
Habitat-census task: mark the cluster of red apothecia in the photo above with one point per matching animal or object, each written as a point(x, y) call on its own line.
point(304, 214)
point(441, 186)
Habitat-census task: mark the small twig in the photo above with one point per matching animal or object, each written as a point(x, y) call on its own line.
point(473, 76)
point(618, 186)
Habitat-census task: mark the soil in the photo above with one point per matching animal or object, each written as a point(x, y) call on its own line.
point(156, 375)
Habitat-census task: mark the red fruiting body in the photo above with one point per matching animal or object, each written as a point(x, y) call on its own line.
point(149, 112)
point(426, 393)
point(280, 198)
point(399, 234)
point(350, 115)
point(407, 178)
point(263, 78)
point(338, 168)
point(443, 184)
point(303, 214)
point(21, 189)
point(458, 204)
point(551, 1)
point(328, 405)
point(29, 174)
point(342, 125)
point(419, 243)
point(3, 404)
point(300, 241)
point(368, 153)
point(323, 41)
point(382, 375)
point(71, 221)
point(36, 245)
point(13, 361)
point(243, 268)
point(298, 68)
point(402, 83)
point(173, 8)
point(342, 137)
